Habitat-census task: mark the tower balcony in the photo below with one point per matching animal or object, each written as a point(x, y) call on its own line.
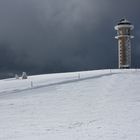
point(117, 27)
point(124, 36)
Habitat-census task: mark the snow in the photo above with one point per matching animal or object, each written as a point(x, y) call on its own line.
point(100, 105)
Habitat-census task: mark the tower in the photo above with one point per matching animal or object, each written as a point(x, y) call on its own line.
point(124, 29)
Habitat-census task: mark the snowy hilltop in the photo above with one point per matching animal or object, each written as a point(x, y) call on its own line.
point(91, 105)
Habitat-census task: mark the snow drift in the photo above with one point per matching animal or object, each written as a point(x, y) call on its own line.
point(100, 105)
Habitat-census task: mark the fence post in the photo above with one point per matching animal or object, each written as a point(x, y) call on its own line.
point(31, 84)
point(79, 76)
point(110, 71)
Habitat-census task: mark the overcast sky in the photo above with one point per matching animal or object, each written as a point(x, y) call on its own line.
point(43, 36)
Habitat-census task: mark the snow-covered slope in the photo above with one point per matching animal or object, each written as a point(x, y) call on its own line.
point(92, 105)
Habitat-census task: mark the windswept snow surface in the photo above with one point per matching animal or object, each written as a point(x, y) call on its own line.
point(92, 105)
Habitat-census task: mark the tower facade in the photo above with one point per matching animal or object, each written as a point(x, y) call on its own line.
point(124, 35)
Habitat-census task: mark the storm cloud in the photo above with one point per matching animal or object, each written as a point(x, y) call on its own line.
point(44, 36)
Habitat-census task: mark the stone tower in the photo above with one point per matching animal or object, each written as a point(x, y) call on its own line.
point(124, 29)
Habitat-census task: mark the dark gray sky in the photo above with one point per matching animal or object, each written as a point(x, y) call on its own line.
point(43, 36)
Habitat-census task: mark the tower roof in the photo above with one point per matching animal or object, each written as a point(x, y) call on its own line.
point(124, 21)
